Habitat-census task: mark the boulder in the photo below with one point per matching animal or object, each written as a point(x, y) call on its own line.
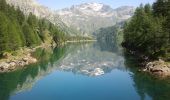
point(4, 66)
point(12, 64)
point(158, 68)
point(33, 60)
point(25, 59)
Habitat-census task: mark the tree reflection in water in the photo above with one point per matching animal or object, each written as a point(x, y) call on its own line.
point(24, 79)
point(147, 87)
point(156, 89)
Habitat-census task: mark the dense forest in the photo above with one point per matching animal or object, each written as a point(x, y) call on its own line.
point(148, 31)
point(18, 30)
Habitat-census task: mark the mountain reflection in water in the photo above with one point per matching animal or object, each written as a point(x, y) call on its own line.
point(75, 71)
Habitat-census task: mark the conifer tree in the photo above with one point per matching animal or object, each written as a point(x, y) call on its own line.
point(161, 8)
point(29, 35)
point(3, 33)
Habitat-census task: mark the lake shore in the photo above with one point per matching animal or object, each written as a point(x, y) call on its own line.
point(24, 57)
point(158, 68)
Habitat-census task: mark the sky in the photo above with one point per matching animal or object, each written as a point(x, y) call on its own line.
point(59, 4)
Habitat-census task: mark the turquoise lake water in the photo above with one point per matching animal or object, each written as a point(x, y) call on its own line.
point(86, 71)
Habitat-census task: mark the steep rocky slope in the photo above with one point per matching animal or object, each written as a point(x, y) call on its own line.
point(83, 19)
point(32, 6)
point(89, 17)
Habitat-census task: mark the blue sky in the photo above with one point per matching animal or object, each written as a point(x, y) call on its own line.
point(59, 4)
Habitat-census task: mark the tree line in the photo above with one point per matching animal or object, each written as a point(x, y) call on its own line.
point(18, 30)
point(148, 31)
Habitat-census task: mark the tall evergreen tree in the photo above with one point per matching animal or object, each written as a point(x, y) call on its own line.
point(14, 39)
point(20, 16)
point(29, 35)
point(18, 30)
point(161, 8)
point(144, 32)
point(3, 6)
point(3, 33)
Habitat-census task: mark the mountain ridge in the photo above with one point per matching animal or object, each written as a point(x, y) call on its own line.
point(89, 17)
point(82, 20)
point(32, 6)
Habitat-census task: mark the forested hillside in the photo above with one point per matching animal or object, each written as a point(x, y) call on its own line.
point(18, 30)
point(148, 32)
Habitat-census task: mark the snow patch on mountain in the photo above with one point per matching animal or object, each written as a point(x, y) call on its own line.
point(92, 6)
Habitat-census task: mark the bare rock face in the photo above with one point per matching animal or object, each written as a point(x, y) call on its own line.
point(89, 17)
point(32, 6)
point(83, 19)
point(160, 68)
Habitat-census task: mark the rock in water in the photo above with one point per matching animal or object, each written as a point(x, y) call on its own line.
point(160, 68)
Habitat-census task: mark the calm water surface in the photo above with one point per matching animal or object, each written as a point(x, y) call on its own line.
point(88, 71)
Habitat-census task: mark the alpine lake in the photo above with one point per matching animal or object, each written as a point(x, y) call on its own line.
point(83, 71)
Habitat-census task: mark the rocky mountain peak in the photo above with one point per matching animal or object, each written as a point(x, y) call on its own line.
point(85, 18)
point(91, 6)
point(89, 17)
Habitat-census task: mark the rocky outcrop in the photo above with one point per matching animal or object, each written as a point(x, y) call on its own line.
point(159, 68)
point(7, 66)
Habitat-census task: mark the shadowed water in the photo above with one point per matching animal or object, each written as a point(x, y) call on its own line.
point(88, 71)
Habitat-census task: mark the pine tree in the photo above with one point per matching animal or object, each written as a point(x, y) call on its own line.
point(144, 32)
point(33, 24)
point(167, 28)
point(3, 33)
point(14, 40)
point(28, 34)
point(18, 30)
point(42, 27)
point(148, 9)
point(161, 8)
point(32, 21)
point(3, 6)
point(21, 34)
point(20, 16)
